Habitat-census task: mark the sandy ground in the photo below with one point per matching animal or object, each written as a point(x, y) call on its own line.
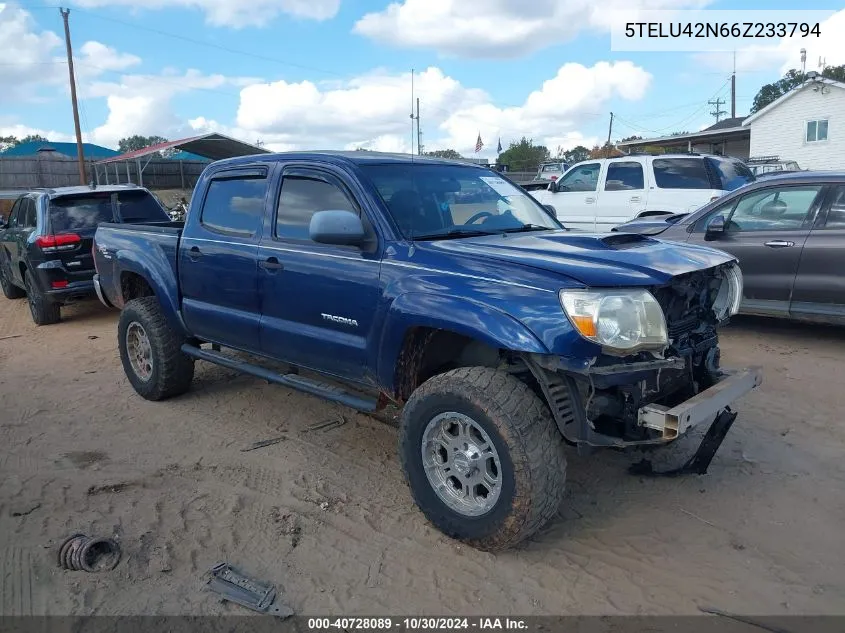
point(326, 516)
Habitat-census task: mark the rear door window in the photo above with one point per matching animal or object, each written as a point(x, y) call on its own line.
point(624, 176)
point(235, 205)
point(29, 219)
point(78, 213)
point(681, 173)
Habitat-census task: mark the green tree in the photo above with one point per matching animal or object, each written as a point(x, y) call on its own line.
point(136, 142)
point(444, 153)
point(523, 155)
point(8, 141)
point(576, 154)
point(33, 138)
point(791, 80)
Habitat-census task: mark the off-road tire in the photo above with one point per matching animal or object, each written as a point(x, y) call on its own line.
point(10, 290)
point(43, 311)
point(172, 371)
point(530, 447)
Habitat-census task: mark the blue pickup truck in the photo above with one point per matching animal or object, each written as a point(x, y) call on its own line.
point(444, 288)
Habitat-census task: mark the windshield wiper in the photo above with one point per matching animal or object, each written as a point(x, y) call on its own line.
point(528, 227)
point(453, 233)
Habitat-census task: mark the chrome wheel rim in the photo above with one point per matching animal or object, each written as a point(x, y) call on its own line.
point(461, 464)
point(139, 351)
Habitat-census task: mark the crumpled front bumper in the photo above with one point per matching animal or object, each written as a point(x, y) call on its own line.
point(703, 407)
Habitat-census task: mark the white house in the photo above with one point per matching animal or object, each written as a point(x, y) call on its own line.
point(806, 125)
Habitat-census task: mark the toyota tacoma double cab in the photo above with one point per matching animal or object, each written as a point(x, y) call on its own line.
point(373, 281)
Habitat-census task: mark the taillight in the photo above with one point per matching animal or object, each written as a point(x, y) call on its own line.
point(554, 178)
point(61, 242)
point(59, 284)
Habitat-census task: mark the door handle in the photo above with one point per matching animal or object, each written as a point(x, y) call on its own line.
point(194, 253)
point(271, 264)
point(779, 244)
point(589, 200)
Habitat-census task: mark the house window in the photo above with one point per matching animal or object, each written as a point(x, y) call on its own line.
point(817, 130)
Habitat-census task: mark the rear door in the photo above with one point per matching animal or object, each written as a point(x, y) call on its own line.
point(766, 230)
point(576, 196)
point(218, 259)
point(820, 283)
point(623, 194)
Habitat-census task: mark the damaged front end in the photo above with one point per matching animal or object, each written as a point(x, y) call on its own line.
point(654, 395)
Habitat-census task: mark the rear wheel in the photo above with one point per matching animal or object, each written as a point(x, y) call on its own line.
point(150, 350)
point(43, 311)
point(482, 456)
point(10, 290)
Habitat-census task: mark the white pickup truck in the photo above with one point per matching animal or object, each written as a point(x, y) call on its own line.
point(597, 195)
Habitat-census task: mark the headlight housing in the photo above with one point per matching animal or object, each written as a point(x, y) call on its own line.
point(729, 297)
point(621, 321)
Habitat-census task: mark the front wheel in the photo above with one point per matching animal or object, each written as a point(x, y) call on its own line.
point(10, 290)
point(482, 456)
point(150, 350)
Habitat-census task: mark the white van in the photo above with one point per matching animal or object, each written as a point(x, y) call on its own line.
point(597, 195)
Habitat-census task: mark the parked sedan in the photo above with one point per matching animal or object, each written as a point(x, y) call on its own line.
point(788, 232)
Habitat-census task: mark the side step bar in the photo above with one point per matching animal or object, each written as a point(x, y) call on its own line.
point(294, 381)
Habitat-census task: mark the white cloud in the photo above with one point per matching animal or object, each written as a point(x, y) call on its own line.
point(19, 131)
point(31, 60)
point(786, 53)
point(235, 13)
point(141, 104)
point(497, 28)
point(372, 111)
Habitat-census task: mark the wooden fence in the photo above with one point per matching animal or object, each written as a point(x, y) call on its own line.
point(57, 170)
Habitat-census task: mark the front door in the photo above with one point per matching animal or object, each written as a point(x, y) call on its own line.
point(820, 284)
point(766, 231)
point(218, 261)
point(9, 255)
point(319, 300)
point(576, 195)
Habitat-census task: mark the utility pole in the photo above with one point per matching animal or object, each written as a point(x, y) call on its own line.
point(609, 132)
point(412, 113)
point(80, 155)
point(717, 112)
point(419, 133)
point(733, 90)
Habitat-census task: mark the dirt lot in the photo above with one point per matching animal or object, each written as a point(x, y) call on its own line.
point(325, 513)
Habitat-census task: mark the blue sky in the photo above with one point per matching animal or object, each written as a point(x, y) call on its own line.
point(336, 73)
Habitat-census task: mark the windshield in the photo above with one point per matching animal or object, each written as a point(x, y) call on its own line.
point(430, 201)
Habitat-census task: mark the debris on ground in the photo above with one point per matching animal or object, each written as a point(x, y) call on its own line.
point(262, 444)
point(92, 554)
point(326, 425)
point(23, 513)
point(232, 585)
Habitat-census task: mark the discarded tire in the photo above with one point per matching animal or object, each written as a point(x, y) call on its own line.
point(85, 553)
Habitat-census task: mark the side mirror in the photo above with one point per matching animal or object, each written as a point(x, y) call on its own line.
point(553, 186)
point(3, 224)
point(715, 227)
point(342, 228)
point(552, 211)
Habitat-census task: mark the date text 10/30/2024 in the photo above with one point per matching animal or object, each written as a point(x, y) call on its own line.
point(417, 624)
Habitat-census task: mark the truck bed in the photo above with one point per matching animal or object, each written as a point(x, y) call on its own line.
point(121, 249)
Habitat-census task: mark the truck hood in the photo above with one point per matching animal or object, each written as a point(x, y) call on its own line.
point(615, 259)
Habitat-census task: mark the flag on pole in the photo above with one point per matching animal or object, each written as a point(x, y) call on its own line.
point(499, 148)
point(478, 144)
